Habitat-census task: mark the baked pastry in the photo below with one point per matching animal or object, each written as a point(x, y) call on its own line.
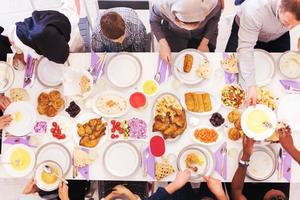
point(237, 124)
point(198, 102)
point(50, 104)
point(54, 94)
point(189, 101)
point(163, 170)
point(206, 102)
point(187, 63)
point(18, 94)
point(234, 134)
point(43, 99)
point(234, 115)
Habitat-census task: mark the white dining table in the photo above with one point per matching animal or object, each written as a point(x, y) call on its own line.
point(149, 65)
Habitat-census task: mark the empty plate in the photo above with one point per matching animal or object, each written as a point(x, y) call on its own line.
point(122, 159)
point(289, 64)
point(24, 118)
point(55, 152)
point(49, 73)
point(264, 67)
point(123, 70)
point(7, 76)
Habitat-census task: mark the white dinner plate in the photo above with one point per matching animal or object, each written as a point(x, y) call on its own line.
point(262, 163)
point(288, 112)
point(215, 104)
point(64, 123)
point(220, 137)
point(121, 159)
point(264, 67)
point(190, 78)
point(259, 136)
point(71, 83)
point(7, 75)
point(123, 70)
point(56, 152)
point(37, 176)
point(49, 73)
point(7, 156)
point(83, 118)
point(289, 64)
point(111, 95)
point(205, 169)
point(27, 115)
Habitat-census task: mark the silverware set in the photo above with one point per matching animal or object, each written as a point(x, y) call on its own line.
point(223, 152)
point(282, 154)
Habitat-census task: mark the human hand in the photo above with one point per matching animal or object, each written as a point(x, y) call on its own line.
point(122, 190)
point(181, 179)
point(5, 121)
point(286, 139)
point(63, 191)
point(215, 186)
point(248, 144)
point(30, 188)
point(203, 46)
point(251, 96)
point(164, 50)
point(4, 102)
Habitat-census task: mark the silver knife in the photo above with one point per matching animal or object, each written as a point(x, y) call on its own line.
point(280, 164)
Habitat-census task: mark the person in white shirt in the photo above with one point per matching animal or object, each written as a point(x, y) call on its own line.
point(263, 24)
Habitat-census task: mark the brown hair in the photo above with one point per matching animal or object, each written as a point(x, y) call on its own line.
point(292, 6)
point(112, 25)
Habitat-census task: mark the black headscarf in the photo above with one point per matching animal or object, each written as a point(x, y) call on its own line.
point(48, 33)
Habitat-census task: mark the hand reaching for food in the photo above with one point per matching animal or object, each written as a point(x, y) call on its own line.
point(4, 102)
point(5, 120)
point(164, 50)
point(251, 97)
point(215, 186)
point(63, 191)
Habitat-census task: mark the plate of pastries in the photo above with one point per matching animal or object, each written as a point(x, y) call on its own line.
point(50, 102)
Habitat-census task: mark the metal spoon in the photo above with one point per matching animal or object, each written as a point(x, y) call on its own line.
point(267, 124)
point(49, 170)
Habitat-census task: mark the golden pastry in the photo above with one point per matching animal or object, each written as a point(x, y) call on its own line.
point(54, 95)
point(187, 63)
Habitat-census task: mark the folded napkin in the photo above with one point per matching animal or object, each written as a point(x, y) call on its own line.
point(164, 70)
point(97, 65)
point(28, 77)
point(229, 77)
point(290, 85)
point(18, 140)
point(286, 166)
point(221, 161)
point(149, 162)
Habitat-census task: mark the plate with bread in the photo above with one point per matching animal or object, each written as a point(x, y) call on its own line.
point(200, 102)
point(191, 67)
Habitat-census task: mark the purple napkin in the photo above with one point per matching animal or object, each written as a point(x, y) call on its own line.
point(287, 165)
point(18, 140)
point(85, 170)
point(28, 77)
point(221, 161)
point(229, 77)
point(96, 68)
point(164, 69)
point(290, 85)
point(149, 162)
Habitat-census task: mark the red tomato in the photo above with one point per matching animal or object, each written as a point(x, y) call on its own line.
point(54, 124)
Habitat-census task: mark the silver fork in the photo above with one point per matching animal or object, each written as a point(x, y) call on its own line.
point(284, 154)
point(223, 153)
point(157, 75)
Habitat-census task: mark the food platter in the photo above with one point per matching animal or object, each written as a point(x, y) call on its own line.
point(289, 64)
point(24, 118)
point(49, 73)
point(206, 136)
point(56, 152)
point(60, 129)
point(190, 76)
point(288, 110)
point(200, 103)
point(21, 159)
point(93, 129)
point(77, 83)
point(110, 104)
point(121, 64)
point(7, 76)
point(264, 67)
point(232, 96)
point(262, 163)
point(252, 122)
point(121, 159)
point(204, 169)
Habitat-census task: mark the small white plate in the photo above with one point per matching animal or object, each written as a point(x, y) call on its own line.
point(205, 170)
point(121, 159)
point(71, 83)
point(55, 152)
point(288, 112)
point(28, 116)
point(264, 67)
point(220, 137)
point(6, 158)
point(190, 78)
point(67, 123)
point(123, 70)
point(49, 73)
point(110, 94)
point(262, 163)
point(268, 132)
point(215, 104)
point(6, 72)
point(37, 176)
point(289, 64)
point(83, 118)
